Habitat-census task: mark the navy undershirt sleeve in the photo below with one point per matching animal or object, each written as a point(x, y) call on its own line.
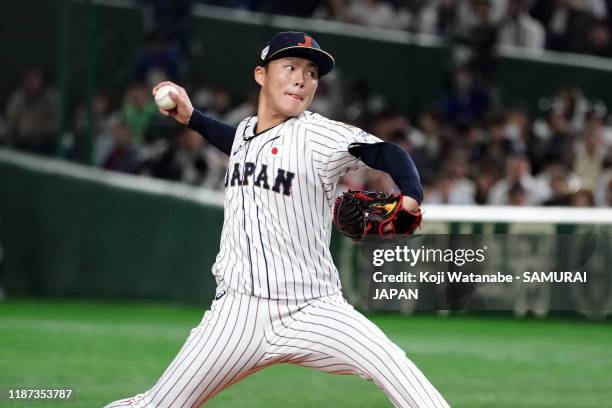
point(393, 160)
point(218, 134)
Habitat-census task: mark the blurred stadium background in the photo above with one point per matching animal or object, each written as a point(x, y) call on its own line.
point(110, 214)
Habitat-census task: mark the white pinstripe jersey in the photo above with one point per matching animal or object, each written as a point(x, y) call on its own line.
point(279, 195)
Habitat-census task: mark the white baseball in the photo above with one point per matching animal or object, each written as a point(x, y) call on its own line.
point(162, 97)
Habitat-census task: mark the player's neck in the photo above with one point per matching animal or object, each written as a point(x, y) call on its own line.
point(267, 120)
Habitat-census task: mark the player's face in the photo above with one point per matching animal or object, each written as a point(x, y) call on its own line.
point(288, 85)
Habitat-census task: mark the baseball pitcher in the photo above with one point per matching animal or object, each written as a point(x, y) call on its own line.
point(279, 298)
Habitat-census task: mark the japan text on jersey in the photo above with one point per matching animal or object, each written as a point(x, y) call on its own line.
point(279, 191)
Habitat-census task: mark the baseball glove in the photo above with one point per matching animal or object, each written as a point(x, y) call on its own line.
point(359, 213)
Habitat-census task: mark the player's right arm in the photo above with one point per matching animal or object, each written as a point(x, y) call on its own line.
point(219, 134)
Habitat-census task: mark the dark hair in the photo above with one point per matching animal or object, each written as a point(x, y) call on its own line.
point(516, 189)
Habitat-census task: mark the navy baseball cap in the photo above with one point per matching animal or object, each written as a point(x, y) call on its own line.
point(296, 44)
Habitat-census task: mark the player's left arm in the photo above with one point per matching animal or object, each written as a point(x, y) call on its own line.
point(396, 162)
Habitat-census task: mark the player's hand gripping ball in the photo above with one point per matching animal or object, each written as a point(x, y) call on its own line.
point(359, 213)
point(162, 97)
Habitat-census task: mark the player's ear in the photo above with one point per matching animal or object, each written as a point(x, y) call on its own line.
point(260, 75)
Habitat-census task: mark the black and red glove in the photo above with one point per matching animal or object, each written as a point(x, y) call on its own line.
point(359, 213)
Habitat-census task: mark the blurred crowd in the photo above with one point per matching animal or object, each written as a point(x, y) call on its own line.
point(563, 156)
point(560, 157)
point(579, 26)
point(469, 148)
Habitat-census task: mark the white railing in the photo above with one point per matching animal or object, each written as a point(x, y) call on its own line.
point(523, 215)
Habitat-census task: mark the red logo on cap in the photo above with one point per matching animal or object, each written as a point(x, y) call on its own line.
point(307, 42)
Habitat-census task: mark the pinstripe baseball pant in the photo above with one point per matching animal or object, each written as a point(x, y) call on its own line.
point(242, 334)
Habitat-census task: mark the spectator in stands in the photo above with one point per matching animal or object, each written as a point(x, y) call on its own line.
point(103, 121)
point(437, 192)
point(469, 12)
point(550, 172)
point(416, 142)
point(442, 190)
point(329, 99)
point(497, 145)
point(574, 106)
point(517, 196)
point(565, 22)
point(582, 198)
point(220, 103)
point(598, 8)
point(554, 136)
point(466, 101)
point(485, 177)
point(595, 120)
point(555, 141)
point(202, 94)
point(598, 40)
point(32, 115)
point(476, 42)
point(518, 170)
point(123, 155)
point(138, 110)
point(589, 156)
point(461, 190)
point(437, 17)
point(376, 13)
point(363, 103)
point(431, 124)
point(183, 160)
point(608, 194)
point(518, 129)
point(389, 125)
point(217, 166)
point(603, 192)
point(247, 108)
point(215, 100)
point(519, 29)
point(560, 194)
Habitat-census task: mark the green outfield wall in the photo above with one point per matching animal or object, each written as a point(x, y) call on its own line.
point(68, 230)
